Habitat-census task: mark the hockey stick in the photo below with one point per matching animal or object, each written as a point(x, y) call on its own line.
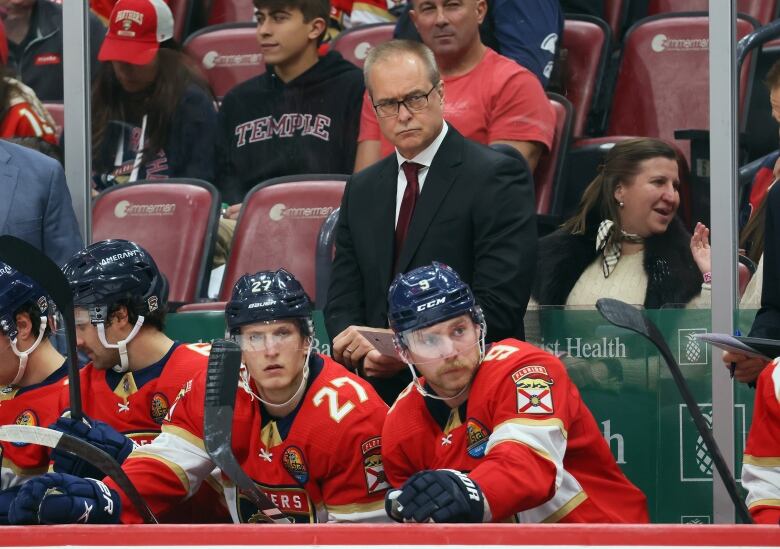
point(27, 259)
point(29, 434)
point(221, 384)
point(628, 317)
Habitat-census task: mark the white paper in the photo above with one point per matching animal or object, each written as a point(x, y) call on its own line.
point(728, 342)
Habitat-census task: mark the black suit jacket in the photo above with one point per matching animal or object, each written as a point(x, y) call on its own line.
point(475, 213)
point(767, 321)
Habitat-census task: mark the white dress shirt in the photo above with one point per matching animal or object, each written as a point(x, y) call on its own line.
point(424, 158)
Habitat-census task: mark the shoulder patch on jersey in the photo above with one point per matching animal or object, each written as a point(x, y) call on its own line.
point(295, 463)
point(376, 479)
point(26, 417)
point(159, 408)
point(534, 393)
point(476, 438)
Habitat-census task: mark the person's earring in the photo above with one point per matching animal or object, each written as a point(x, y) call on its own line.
point(621, 204)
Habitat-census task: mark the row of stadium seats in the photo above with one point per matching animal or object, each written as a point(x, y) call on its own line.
point(286, 221)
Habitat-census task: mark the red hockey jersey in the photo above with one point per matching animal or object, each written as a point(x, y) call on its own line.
point(761, 462)
point(135, 403)
point(320, 463)
point(524, 435)
point(33, 405)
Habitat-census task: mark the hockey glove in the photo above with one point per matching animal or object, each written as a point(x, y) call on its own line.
point(55, 498)
point(442, 495)
point(98, 434)
point(6, 497)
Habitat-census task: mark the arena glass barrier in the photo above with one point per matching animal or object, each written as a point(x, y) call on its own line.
point(389, 536)
point(627, 386)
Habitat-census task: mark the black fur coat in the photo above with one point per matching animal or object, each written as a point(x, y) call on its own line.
point(673, 277)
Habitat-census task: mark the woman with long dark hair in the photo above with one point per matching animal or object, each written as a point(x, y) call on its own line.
point(626, 241)
point(152, 116)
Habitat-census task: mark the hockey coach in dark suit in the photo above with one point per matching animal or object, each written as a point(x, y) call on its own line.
point(439, 197)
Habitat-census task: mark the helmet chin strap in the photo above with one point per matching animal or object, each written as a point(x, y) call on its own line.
point(24, 355)
point(244, 383)
point(416, 380)
point(124, 364)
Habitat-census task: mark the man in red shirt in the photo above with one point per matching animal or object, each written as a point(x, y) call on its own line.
point(489, 434)
point(488, 97)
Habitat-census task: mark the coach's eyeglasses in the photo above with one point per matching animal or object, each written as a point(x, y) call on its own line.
point(386, 109)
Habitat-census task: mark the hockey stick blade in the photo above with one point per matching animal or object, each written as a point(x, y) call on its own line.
point(27, 259)
point(42, 436)
point(625, 316)
point(221, 383)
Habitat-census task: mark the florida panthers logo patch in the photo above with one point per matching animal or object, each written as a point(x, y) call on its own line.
point(534, 390)
point(27, 418)
point(294, 462)
point(476, 438)
point(376, 480)
point(159, 408)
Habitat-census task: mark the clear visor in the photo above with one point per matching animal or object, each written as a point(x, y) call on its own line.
point(442, 341)
point(82, 317)
point(272, 341)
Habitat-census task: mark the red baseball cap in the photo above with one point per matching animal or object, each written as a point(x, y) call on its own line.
point(135, 30)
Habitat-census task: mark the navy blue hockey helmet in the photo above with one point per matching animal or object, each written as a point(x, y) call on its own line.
point(426, 296)
point(17, 290)
point(111, 270)
point(266, 296)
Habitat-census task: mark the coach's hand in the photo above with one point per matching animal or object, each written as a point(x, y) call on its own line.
point(54, 498)
point(350, 347)
point(442, 495)
point(98, 434)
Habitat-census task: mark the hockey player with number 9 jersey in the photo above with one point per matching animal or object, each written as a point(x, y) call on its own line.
point(502, 432)
point(761, 462)
point(304, 429)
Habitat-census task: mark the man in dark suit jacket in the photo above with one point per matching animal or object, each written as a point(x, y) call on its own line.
point(474, 212)
point(35, 202)
point(767, 322)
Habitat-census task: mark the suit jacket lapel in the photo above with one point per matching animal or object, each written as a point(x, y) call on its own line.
point(441, 176)
point(383, 219)
point(9, 179)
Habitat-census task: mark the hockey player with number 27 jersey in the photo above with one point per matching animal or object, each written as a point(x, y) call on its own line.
point(304, 429)
point(505, 432)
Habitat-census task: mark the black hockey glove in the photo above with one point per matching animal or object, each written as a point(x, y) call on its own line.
point(98, 434)
point(442, 495)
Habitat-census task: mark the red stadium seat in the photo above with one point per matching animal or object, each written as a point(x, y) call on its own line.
point(663, 81)
point(231, 11)
point(354, 44)
point(227, 54)
point(175, 220)
point(587, 42)
point(549, 171)
point(57, 112)
point(763, 11)
point(278, 227)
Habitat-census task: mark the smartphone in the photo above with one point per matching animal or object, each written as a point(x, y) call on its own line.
point(381, 339)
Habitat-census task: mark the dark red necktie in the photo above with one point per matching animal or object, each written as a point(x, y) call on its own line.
point(407, 205)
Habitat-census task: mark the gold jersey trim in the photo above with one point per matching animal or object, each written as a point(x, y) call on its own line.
point(184, 434)
point(769, 461)
point(555, 422)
